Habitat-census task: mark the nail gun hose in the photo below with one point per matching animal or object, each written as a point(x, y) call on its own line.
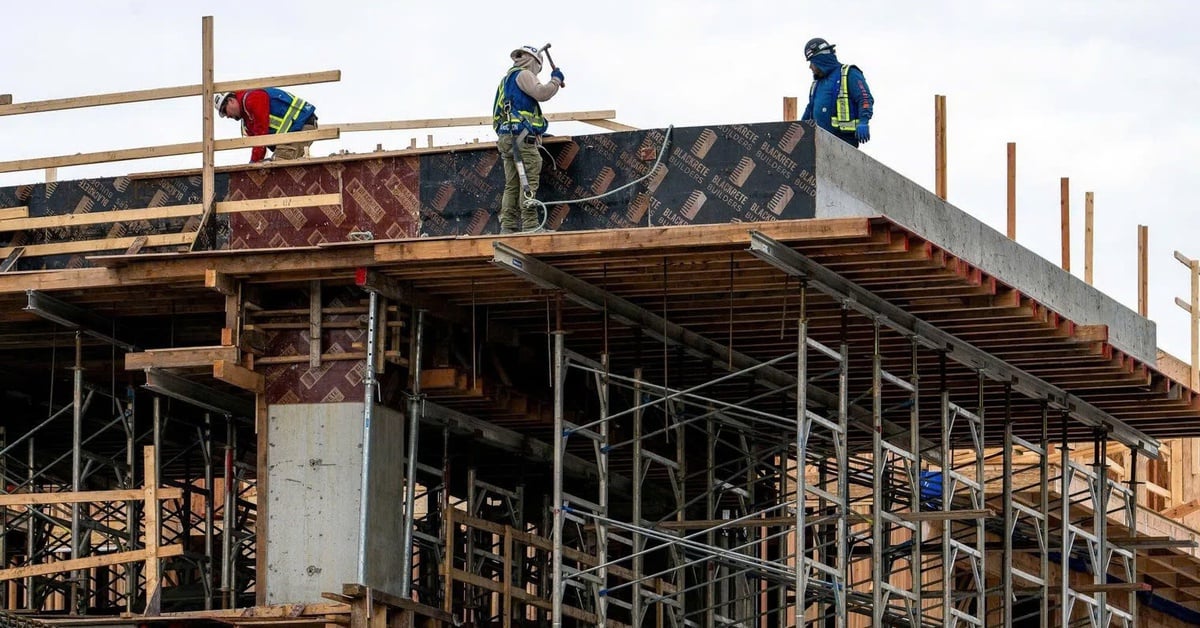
point(662, 150)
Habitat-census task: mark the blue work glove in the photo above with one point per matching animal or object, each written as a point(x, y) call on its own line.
point(862, 133)
point(557, 74)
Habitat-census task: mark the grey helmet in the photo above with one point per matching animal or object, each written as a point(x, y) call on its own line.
point(816, 46)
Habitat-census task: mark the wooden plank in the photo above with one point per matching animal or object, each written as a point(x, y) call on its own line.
point(162, 93)
point(1173, 367)
point(136, 246)
point(239, 376)
point(82, 497)
point(164, 150)
point(168, 211)
point(1143, 267)
point(1194, 310)
point(939, 145)
point(1064, 189)
point(107, 244)
point(151, 512)
point(9, 213)
point(945, 515)
point(610, 125)
point(88, 562)
point(1088, 220)
point(10, 261)
point(1012, 191)
point(1111, 587)
point(314, 323)
point(790, 109)
point(179, 357)
point(441, 123)
point(207, 154)
point(5, 99)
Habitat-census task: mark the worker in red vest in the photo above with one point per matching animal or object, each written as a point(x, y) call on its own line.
point(266, 111)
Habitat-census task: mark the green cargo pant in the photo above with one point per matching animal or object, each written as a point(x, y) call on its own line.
point(511, 203)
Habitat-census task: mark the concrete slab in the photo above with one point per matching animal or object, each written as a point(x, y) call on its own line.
point(850, 183)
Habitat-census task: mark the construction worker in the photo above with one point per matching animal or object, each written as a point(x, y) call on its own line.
point(266, 111)
point(839, 99)
point(517, 119)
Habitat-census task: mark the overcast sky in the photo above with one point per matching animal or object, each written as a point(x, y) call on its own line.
point(1100, 91)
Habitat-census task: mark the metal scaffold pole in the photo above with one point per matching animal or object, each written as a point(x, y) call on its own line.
point(415, 405)
point(560, 444)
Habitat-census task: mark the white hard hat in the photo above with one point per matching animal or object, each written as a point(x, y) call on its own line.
point(219, 100)
point(532, 51)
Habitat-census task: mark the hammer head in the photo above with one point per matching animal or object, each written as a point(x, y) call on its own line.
point(546, 47)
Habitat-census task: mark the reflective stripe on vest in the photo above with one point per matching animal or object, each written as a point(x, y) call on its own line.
point(506, 118)
point(842, 121)
point(282, 124)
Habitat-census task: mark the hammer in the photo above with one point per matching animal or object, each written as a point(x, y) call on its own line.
point(546, 49)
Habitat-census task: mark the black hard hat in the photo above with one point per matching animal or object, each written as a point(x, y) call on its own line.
point(816, 46)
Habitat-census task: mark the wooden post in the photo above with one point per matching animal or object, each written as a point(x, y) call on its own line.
point(789, 109)
point(1012, 190)
point(153, 569)
point(51, 175)
point(1143, 291)
point(207, 173)
point(1087, 237)
point(939, 144)
point(1065, 202)
point(314, 323)
point(1193, 310)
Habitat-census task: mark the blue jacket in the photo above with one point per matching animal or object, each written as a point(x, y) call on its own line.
point(822, 99)
point(288, 113)
point(525, 112)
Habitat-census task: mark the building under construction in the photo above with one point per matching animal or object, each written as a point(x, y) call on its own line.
point(757, 379)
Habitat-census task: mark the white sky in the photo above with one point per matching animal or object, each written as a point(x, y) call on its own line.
point(1101, 91)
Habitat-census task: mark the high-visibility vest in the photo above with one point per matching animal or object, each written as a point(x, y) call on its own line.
point(288, 113)
point(840, 120)
point(514, 110)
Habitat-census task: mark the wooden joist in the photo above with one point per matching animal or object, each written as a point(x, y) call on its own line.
point(179, 357)
point(239, 376)
point(163, 93)
point(165, 150)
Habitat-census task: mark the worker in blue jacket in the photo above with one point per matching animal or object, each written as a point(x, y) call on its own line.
point(839, 99)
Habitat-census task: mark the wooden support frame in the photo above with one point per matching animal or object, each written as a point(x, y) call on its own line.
point(208, 168)
point(314, 323)
point(106, 244)
point(1193, 309)
point(1143, 267)
point(1088, 220)
point(239, 376)
point(440, 123)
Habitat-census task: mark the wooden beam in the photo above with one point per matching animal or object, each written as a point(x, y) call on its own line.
point(1064, 194)
point(106, 244)
point(88, 562)
point(220, 282)
point(1182, 510)
point(239, 376)
point(1143, 267)
point(165, 150)
point(162, 93)
point(1194, 310)
point(10, 261)
point(82, 497)
point(51, 175)
point(1012, 190)
point(790, 109)
point(440, 123)
point(179, 357)
point(9, 213)
point(946, 515)
point(168, 211)
point(1111, 587)
point(1088, 219)
point(939, 145)
point(5, 99)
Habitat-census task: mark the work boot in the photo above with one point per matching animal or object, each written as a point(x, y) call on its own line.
point(507, 230)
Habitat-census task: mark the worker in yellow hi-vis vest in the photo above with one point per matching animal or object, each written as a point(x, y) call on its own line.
point(839, 100)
